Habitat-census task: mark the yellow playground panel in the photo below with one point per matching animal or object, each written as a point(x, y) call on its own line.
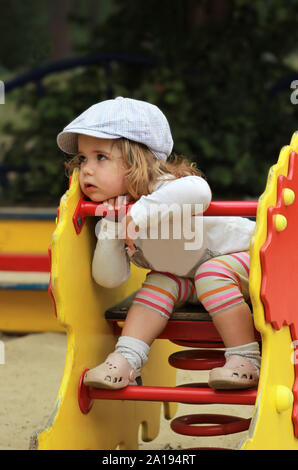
point(81, 305)
point(25, 236)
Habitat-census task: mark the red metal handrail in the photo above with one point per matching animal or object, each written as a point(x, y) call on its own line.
point(216, 208)
point(228, 208)
point(176, 394)
point(232, 208)
point(86, 395)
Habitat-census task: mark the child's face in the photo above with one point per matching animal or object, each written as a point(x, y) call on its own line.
point(101, 169)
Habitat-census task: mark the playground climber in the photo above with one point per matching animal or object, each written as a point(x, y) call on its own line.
point(123, 148)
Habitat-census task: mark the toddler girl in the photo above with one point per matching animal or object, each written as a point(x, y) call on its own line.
point(123, 148)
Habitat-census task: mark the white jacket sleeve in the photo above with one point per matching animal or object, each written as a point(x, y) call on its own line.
point(188, 190)
point(110, 265)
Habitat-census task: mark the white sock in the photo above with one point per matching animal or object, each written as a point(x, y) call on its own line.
point(134, 350)
point(250, 351)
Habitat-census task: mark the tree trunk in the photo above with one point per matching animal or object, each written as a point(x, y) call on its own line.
point(210, 12)
point(59, 28)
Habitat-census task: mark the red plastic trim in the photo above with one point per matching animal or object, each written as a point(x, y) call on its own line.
point(78, 216)
point(50, 283)
point(278, 287)
point(221, 424)
point(85, 401)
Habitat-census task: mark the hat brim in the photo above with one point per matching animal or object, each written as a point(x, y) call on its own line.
point(67, 141)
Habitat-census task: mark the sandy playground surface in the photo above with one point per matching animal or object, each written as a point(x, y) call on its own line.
point(30, 379)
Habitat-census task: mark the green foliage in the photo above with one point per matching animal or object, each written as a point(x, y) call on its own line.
point(213, 81)
point(24, 33)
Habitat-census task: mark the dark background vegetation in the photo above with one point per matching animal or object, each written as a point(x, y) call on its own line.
point(219, 69)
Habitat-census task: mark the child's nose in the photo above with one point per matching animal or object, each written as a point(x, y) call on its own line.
point(88, 168)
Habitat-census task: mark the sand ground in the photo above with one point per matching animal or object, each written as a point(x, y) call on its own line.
point(30, 379)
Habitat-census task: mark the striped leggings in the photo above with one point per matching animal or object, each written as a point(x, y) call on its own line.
point(219, 284)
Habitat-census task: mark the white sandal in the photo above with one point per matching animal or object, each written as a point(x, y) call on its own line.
point(114, 373)
point(238, 372)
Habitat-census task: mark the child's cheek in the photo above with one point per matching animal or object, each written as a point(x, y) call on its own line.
point(80, 180)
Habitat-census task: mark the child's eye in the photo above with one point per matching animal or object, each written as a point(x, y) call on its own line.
point(100, 156)
point(81, 159)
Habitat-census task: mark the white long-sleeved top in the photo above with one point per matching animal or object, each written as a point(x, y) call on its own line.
point(171, 237)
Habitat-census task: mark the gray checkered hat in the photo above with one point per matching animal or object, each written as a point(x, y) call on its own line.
point(121, 117)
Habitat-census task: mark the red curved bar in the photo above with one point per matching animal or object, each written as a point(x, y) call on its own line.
point(221, 424)
point(198, 344)
point(197, 359)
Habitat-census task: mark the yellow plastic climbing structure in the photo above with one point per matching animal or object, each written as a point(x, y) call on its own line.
point(81, 305)
point(273, 280)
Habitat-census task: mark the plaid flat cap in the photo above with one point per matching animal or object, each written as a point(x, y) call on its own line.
point(121, 117)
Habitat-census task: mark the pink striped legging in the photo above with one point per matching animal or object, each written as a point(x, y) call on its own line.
point(219, 284)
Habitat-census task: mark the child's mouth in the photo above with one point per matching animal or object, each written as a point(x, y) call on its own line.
point(89, 187)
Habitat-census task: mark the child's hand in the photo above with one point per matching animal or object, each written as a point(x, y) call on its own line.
point(117, 202)
point(128, 227)
point(129, 230)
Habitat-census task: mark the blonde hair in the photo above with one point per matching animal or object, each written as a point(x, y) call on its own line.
point(143, 169)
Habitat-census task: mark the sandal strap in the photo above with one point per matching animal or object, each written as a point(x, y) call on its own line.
point(237, 372)
point(235, 361)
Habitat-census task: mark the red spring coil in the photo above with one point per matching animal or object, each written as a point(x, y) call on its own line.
point(197, 359)
point(204, 424)
point(198, 344)
point(221, 424)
